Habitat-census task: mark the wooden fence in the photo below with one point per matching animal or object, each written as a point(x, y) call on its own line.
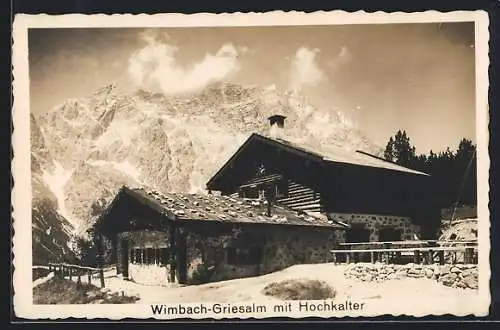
point(407, 251)
point(75, 271)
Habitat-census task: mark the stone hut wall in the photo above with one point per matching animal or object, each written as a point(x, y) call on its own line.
point(207, 251)
point(281, 248)
point(374, 222)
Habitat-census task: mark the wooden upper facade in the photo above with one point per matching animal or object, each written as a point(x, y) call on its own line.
point(336, 181)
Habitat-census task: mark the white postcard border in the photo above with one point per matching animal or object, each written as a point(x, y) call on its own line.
point(21, 193)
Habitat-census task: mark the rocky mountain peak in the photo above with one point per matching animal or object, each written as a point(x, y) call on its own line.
point(93, 145)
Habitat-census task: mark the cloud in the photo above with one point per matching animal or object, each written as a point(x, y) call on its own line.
point(343, 57)
point(305, 70)
point(155, 65)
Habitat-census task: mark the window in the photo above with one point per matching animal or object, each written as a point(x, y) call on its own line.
point(244, 256)
point(249, 192)
point(150, 256)
point(138, 256)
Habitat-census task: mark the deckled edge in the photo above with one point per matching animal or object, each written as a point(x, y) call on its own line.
point(22, 182)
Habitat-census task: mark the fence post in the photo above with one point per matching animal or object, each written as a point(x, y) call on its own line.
point(441, 257)
point(90, 276)
point(101, 275)
point(70, 271)
point(100, 258)
point(468, 255)
point(416, 258)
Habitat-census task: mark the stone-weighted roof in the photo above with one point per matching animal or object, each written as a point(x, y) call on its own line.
point(209, 207)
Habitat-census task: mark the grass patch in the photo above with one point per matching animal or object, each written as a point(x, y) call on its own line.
point(62, 291)
point(301, 289)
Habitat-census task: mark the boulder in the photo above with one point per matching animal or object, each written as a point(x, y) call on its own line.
point(401, 274)
point(367, 277)
point(413, 271)
point(382, 271)
point(448, 279)
point(469, 272)
point(470, 282)
point(445, 269)
point(455, 270)
point(104, 290)
point(93, 294)
point(415, 275)
point(429, 273)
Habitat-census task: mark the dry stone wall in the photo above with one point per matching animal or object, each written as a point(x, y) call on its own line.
point(456, 276)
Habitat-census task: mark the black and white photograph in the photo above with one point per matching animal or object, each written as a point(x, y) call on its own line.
point(246, 165)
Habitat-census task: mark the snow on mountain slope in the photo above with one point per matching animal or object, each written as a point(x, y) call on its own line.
point(95, 144)
point(51, 231)
point(55, 182)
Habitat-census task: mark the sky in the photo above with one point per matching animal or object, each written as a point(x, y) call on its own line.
point(386, 77)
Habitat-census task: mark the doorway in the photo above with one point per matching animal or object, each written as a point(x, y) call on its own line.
point(357, 234)
point(389, 234)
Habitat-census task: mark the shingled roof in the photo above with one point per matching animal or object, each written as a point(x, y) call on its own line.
point(325, 153)
point(209, 207)
point(331, 153)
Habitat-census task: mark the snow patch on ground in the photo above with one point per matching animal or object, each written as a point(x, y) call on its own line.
point(42, 280)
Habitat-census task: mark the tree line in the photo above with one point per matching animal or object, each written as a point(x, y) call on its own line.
point(453, 171)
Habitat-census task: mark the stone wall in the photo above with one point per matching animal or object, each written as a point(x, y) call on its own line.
point(374, 222)
point(456, 276)
point(281, 247)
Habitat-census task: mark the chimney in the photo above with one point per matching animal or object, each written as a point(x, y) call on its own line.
point(277, 124)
